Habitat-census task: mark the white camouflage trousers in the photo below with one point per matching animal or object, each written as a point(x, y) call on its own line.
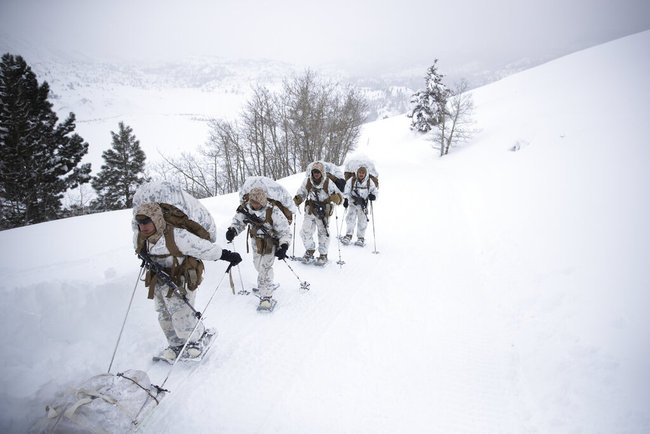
point(264, 266)
point(356, 215)
point(310, 224)
point(175, 317)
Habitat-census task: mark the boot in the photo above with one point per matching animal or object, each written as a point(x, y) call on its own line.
point(267, 304)
point(360, 242)
point(322, 259)
point(346, 239)
point(193, 350)
point(309, 256)
point(170, 353)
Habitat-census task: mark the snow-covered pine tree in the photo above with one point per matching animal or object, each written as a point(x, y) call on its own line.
point(122, 172)
point(429, 104)
point(38, 158)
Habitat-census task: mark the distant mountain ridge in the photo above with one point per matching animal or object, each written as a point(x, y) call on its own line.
point(77, 81)
point(178, 98)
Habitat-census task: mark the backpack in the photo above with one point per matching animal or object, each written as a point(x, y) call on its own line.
point(334, 174)
point(286, 211)
point(180, 210)
point(349, 175)
point(188, 274)
point(353, 164)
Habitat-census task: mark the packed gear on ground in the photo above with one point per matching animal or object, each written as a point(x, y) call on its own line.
point(104, 403)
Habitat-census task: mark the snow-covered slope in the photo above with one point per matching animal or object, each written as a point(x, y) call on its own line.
point(510, 293)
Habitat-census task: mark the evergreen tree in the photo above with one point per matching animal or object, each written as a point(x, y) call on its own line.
point(122, 172)
point(38, 158)
point(429, 104)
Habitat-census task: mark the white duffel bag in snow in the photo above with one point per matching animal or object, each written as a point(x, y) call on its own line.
point(105, 403)
point(166, 192)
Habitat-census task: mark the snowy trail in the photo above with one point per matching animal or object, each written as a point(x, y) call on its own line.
point(342, 345)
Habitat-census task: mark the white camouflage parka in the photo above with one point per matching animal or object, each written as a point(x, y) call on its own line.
point(278, 226)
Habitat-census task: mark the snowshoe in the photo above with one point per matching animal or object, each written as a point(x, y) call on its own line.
point(168, 355)
point(346, 240)
point(360, 242)
point(308, 258)
point(321, 261)
point(194, 351)
point(267, 304)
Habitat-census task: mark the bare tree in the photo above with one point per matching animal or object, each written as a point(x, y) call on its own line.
point(278, 135)
point(456, 125)
point(195, 176)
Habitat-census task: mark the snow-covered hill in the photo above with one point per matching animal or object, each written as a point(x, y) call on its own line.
point(510, 293)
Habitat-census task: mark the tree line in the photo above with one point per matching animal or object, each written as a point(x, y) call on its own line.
point(277, 135)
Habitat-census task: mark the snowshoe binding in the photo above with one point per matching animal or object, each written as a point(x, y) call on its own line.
point(346, 240)
point(267, 304)
point(308, 258)
point(321, 261)
point(360, 242)
point(194, 351)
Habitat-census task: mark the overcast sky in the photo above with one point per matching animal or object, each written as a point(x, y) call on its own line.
point(368, 33)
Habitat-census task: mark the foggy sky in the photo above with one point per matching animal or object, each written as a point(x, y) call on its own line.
point(365, 33)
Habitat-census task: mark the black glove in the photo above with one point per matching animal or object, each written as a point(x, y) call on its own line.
point(345, 203)
point(281, 253)
point(372, 196)
point(230, 234)
point(233, 257)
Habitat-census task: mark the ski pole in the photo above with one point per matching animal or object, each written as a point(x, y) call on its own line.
point(303, 285)
point(374, 237)
point(345, 214)
point(338, 239)
point(239, 271)
point(161, 387)
point(128, 309)
point(293, 248)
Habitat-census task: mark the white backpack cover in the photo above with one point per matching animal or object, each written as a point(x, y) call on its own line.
point(271, 188)
point(353, 165)
point(329, 167)
point(166, 192)
point(105, 403)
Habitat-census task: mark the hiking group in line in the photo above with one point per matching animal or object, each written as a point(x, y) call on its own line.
point(176, 248)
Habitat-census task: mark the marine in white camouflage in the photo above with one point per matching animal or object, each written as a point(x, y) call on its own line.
point(359, 189)
point(320, 196)
point(269, 233)
point(152, 234)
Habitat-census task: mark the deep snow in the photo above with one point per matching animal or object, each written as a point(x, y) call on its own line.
point(510, 293)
